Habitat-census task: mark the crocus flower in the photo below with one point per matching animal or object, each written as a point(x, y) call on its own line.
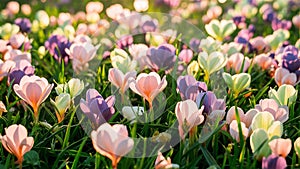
point(26, 9)
point(277, 38)
point(296, 21)
point(24, 24)
point(42, 19)
point(246, 118)
point(189, 87)
point(231, 48)
point(186, 55)
point(2, 108)
point(161, 58)
point(116, 143)
point(8, 29)
point(34, 91)
point(81, 54)
point(259, 143)
point(172, 3)
point(13, 7)
point(62, 103)
point(131, 113)
point(281, 24)
point(193, 68)
point(162, 163)
point(211, 62)
point(118, 79)
point(285, 95)
point(97, 110)
point(281, 147)
point(121, 60)
point(148, 86)
point(141, 5)
point(74, 87)
point(124, 41)
point(139, 53)
point(274, 162)
point(280, 113)
point(264, 61)
point(238, 82)
point(57, 44)
point(18, 40)
point(94, 7)
point(220, 30)
point(210, 102)
point(188, 116)
point(265, 121)
point(149, 26)
point(297, 146)
point(238, 61)
point(259, 44)
point(239, 21)
point(234, 131)
point(283, 76)
point(209, 45)
point(16, 74)
point(114, 11)
point(290, 59)
point(16, 141)
point(194, 44)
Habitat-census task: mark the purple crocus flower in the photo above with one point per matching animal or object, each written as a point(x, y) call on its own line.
point(243, 38)
point(161, 58)
point(24, 24)
point(290, 59)
point(274, 162)
point(56, 45)
point(149, 26)
point(96, 109)
point(210, 102)
point(194, 44)
point(238, 20)
point(125, 41)
point(281, 24)
point(189, 87)
point(269, 14)
point(16, 75)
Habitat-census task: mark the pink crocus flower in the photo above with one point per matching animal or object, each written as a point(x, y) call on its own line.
point(148, 86)
point(34, 91)
point(245, 118)
point(92, 7)
point(280, 113)
point(188, 116)
point(13, 7)
point(264, 61)
point(16, 141)
point(234, 130)
point(237, 61)
point(283, 76)
point(81, 54)
point(162, 163)
point(112, 142)
point(118, 79)
point(281, 147)
point(186, 55)
point(17, 40)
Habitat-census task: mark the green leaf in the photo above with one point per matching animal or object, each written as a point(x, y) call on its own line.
point(32, 158)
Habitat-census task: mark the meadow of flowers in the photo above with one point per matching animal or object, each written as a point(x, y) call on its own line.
point(150, 84)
